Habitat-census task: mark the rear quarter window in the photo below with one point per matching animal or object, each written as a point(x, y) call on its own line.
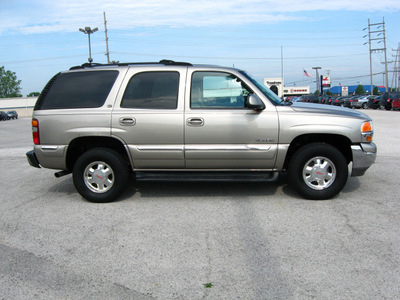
point(79, 90)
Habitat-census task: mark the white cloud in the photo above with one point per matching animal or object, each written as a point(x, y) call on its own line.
point(67, 15)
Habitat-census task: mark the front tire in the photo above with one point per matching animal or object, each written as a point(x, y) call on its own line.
point(100, 175)
point(318, 171)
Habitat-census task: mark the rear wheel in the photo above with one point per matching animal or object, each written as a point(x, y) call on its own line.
point(100, 175)
point(318, 171)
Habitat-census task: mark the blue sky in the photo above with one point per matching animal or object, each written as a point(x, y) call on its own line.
point(40, 38)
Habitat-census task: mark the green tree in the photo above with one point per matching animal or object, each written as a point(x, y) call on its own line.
point(9, 85)
point(360, 90)
point(34, 94)
point(376, 91)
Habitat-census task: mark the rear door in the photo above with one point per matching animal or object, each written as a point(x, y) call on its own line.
point(148, 116)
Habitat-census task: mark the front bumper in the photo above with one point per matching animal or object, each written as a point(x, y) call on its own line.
point(364, 156)
point(32, 159)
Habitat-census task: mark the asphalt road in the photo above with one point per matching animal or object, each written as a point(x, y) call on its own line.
point(199, 240)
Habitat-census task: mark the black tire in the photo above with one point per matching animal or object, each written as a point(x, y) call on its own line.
point(364, 106)
point(318, 171)
point(100, 175)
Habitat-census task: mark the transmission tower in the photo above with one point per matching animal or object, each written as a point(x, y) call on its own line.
point(376, 36)
point(396, 70)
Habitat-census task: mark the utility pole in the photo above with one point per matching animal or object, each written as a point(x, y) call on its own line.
point(105, 30)
point(376, 32)
point(317, 79)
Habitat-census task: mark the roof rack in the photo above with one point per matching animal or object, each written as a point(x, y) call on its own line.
point(166, 62)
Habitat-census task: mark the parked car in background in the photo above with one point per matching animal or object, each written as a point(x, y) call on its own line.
point(339, 101)
point(347, 101)
point(3, 116)
point(310, 98)
point(374, 102)
point(296, 99)
point(396, 103)
point(387, 99)
point(12, 114)
point(361, 102)
point(326, 100)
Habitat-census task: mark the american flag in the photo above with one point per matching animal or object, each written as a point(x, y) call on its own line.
point(307, 74)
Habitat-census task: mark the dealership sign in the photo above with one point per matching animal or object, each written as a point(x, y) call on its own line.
point(275, 85)
point(326, 81)
point(297, 90)
point(345, 90)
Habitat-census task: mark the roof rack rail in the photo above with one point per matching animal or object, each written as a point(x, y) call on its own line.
point(166, 62)
point(175, 63)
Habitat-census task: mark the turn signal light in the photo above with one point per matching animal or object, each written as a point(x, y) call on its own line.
point(365, 127)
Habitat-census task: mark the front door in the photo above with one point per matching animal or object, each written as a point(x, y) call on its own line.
point(220, 131)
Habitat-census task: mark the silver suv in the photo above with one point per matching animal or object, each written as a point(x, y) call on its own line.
point(177, 121)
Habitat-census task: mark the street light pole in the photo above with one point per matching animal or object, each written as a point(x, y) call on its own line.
point(89, 31)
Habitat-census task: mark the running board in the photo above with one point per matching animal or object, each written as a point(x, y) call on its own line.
point(206, 176)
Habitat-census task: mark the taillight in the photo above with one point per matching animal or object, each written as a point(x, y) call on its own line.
point(388, 100)
point(35, 131)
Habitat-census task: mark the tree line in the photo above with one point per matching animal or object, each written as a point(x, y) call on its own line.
point(10, 85)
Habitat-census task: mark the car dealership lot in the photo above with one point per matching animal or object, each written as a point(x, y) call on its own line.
point(199, 240)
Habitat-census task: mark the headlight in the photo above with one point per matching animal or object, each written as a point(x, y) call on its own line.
point(367, 132)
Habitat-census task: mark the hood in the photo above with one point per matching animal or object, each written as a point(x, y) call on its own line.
point(323, 109)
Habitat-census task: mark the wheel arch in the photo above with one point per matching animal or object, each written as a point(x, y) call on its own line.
point(80, 145)
point(342, 143)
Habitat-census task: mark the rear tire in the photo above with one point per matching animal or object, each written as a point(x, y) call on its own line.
point(100, 175)
point(318, 171)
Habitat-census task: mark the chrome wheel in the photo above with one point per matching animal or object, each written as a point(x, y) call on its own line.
point(98, 177)
point(319, 173)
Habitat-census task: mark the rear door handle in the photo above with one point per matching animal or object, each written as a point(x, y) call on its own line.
point(127, 121)
point(195, 121)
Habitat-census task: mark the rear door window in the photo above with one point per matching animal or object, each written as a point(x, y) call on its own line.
point(152, 90)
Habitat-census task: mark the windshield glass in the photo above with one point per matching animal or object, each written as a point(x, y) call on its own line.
point(266, 91)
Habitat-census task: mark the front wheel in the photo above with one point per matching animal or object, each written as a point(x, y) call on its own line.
point(318, 171)
point(100, 175)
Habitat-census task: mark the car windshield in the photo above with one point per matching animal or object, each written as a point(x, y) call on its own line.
point(266, 91)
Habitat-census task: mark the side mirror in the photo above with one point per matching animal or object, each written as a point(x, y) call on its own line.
point(254, 102)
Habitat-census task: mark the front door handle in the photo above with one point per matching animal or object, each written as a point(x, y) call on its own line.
point(127, 121)
point(195, 121)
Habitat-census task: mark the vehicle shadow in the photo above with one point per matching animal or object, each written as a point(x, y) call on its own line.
point(232, 189)
point(176, 189)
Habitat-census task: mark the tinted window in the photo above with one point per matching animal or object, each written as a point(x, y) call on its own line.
point(80, 90)
point(217, 90)
point(152, 90)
